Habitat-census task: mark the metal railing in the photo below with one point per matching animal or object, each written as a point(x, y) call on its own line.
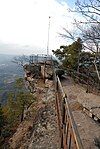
point(39, 58)
point(69, 135)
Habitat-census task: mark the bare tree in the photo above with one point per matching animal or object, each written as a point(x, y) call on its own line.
point(88, 29)
point(90, 10)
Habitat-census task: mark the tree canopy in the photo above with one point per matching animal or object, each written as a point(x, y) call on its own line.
point(69, 55)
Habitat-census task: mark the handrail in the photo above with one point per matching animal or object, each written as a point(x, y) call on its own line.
point(74, 127)
point(68, 130)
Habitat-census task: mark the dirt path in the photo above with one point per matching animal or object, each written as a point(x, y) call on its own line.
point(77, 96)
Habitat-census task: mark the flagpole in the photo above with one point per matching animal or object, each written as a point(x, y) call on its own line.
point(48, 37)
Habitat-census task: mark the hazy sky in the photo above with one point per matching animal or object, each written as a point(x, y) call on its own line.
point(24, 25)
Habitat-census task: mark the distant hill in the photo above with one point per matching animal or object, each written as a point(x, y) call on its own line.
point(5, 58)
point(9, 71)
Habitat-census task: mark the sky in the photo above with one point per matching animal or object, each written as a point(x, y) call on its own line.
point(24, 25)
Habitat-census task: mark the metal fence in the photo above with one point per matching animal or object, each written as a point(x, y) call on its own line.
point(39, 58)
point(69, 135)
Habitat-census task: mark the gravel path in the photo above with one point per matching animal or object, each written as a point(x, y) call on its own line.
point(77, 96)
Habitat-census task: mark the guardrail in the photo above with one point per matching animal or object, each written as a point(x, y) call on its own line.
point(39, 58)
point(68, 131)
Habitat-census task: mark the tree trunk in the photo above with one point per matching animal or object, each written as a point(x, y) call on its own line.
point(98, 75)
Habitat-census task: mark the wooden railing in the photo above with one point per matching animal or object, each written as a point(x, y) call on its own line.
point(69, 136)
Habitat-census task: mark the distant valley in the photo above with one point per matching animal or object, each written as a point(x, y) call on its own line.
point(9, 71)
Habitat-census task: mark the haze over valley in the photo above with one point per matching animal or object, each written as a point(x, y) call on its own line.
point(9, 71)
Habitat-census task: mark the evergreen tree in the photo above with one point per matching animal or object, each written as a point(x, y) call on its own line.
point(69, 55)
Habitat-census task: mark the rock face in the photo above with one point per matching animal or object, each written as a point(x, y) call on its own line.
point(46, 133)
point(39, 130)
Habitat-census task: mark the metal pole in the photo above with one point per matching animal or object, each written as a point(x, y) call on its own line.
point(48, 37)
